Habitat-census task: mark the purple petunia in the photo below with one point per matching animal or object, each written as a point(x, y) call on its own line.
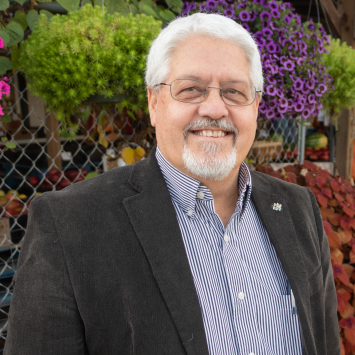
point(298, 106)
point(253, 15)
point(229, 13)
point(282, 71)
point(275, 14)
point(287, 20)
point(298, 85)
point(265, 16)
point(271, 80)
point(283, 102)
point(322, 88)
point(271, 90)
point(306, 113)
point(273, 5)
point(271, 48)
point(283, 110)
point(244, 16)
point(278, 115)
point(318, 92)
point(212, 4)
point(289, 65)
point(310, 27)
point(245, 26)
point(203, 7)
point(267, 32)
point(270, 114)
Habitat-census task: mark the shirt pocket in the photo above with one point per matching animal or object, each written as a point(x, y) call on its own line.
point(315, 281)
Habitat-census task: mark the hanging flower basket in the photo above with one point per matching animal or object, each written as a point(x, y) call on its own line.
point(291, 54)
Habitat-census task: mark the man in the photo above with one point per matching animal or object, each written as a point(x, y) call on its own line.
point(186, 252)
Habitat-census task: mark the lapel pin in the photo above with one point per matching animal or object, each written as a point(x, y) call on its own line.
point(277, 207)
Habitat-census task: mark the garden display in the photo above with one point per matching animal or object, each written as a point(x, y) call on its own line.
point(13, 203)
point(317, 147)
point(336, 200)
point(291, 53)
point(71, 58)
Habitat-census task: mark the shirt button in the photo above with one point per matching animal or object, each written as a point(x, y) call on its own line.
point(251, 354)
point(226, 238)
point(190, 213)
point(241, 297)
point(200, 195)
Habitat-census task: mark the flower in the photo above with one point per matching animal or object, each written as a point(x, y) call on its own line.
point(265, 16)
point(271, 47)
point(229, 13)
point(211, 4)
point(289, 65)
point(267, 32)
point(299, 107)
point(298, 85)
point(322, 88)
point(287, 20)
point(270, 114)
point(244, 15)
point(273, 5)
point(306, 113)
point(202, 7)
point(245, 26)
point(275, 13)
point(1, 43)
point(271, 90)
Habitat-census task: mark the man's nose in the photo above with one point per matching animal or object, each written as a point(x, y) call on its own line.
point(213, 106)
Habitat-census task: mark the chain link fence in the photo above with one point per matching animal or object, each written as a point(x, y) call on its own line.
point(44, 161)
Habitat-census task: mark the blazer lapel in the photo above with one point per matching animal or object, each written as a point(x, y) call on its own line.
point(283, 236)
point(153, 217)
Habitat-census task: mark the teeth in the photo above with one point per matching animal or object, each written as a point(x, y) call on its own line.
point(209, 133)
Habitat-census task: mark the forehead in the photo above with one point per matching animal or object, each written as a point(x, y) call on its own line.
point(209, 59)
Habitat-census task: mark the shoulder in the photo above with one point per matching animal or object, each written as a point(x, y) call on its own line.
point(95, 191)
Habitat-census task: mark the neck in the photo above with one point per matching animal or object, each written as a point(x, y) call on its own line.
point(225, 193)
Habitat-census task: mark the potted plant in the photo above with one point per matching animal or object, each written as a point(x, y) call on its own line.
point(291, 54)
point(340, 63)
point(70, 58)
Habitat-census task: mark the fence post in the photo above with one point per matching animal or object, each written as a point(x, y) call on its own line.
point(53, 142)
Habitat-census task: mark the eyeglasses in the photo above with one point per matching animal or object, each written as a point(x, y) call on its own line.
point(195, 91)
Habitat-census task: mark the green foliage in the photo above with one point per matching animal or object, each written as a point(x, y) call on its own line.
point(4, 4)
point(69, 5)
point(15, 32)
point(70, 58)
point(5, 65)
point(340, 63)
point(6, 119)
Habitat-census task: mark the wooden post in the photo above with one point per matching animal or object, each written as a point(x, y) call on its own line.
point(345, 133)
point(53, 142)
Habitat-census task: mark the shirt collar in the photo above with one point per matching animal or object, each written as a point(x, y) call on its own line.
point(184, 189)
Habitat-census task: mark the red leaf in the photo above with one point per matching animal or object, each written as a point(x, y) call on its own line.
point(335, 186)
point(345, 295)
point(339, 197)
point(341, 304)
point(350, 212)
point(334, 219)
point(345, 235)
point(340, 273)
point(322, 200)
point(333, 203)
point(321, 185)
point(334, 239)
point(349, 311)
point(336, 256)
point(350, 335)
point(327, 227)
point(346, 223)
point(325, 212)
point(352, 257)
point(350, 198)
point(309, 165)
point(327, 192)
point(315, 190)
point(348, 269)
point(312, 182)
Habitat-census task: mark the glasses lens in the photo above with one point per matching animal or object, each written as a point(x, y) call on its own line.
point(188, 90)
point(238, 94)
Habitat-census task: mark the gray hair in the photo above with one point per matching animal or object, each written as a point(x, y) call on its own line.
point(200, 24)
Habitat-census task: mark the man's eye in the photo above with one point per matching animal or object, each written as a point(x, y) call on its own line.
point(192, 88)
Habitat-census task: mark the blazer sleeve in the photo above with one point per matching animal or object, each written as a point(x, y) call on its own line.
point(330, 311)
point(43, 318)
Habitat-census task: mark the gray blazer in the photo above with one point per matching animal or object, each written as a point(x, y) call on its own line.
point(103, 269)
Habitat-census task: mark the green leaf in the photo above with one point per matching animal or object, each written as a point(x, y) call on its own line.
point(15, 57)
point(47, 13)
point(11, 145)
point(149, 11)
point(20, 18)
point(32, 19)
point(134, 9)
point(3, 139)
point(69, 5)
point(98, 3)
point(4, 5)
point(175, 5)
point(84, 2)
point(21, 2)
point(117, 6)
point(5, 37)
point(167, 15)
point(132, 115)
point(6, 119)
point(15, 32)
point(146, 2)
point(91, 175)
point(135, 2)
point(5, 65)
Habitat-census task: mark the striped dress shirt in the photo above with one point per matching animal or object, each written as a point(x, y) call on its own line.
point(240, 282)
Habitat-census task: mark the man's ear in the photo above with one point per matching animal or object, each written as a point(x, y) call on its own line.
point(152, 105)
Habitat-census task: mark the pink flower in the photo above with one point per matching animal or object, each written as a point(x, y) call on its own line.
point(4, 88)
point(1, 113)
point(1, 43)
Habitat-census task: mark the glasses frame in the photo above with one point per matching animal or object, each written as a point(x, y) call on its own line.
point(207, 92)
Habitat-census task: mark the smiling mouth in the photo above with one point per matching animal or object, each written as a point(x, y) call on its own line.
point(211, 133)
